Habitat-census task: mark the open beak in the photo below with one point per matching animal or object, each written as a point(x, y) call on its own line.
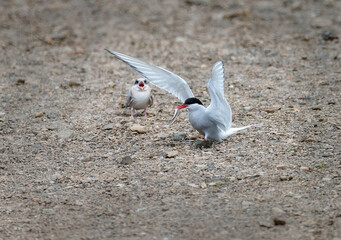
point(141, 85)
point(182, 106)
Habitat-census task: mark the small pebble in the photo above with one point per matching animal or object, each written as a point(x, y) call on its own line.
point(20, 81)
point(203, 185)
point(52, 116)
point(279, 222)
point(110, 179)
point(126, 160)
point(281, 167)
point(138, 128)
point(171, 154)
point(39, 114)
point(277, 211)
point(329, 36)
point(74, 83)
point(247, 203)
point(265, 223)
point(65, 133)
point(108, 126)
point(249, 108)
point(193, 185)
point(306, 169)
point(270, 110)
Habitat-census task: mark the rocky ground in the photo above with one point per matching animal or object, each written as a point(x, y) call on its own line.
point(73, 165)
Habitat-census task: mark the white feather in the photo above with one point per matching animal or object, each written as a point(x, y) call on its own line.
point(160, 77)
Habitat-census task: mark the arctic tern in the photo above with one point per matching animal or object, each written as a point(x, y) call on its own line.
point(139, 96)
point(214, 122)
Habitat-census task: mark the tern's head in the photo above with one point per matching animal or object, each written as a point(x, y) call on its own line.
point(190, 103)
point(141, 83)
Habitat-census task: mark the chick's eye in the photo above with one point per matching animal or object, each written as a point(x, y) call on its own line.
point(145, 81)
point(136, 82)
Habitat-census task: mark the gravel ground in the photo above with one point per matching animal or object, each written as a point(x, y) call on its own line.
point(72, 167)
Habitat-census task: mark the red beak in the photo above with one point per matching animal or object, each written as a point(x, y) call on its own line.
point(182, 106)
point(141, 84)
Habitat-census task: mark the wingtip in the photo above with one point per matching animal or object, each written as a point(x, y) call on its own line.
point(220, 63)
point(109, 51)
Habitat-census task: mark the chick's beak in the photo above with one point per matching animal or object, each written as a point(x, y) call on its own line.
point(141, 85)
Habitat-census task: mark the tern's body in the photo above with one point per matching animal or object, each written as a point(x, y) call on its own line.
point(214, 122)
point(139, 96)
point(198, 117)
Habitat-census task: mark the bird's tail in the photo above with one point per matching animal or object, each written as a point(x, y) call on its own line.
point(232, 131)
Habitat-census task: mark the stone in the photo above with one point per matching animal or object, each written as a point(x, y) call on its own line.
point(65, 133)
point(270, 110)
point(126, 160)
point(316, 108)
point(138, 128)
point(329, 35)
point(20, 81)
point(171, 154)
point(39, 114)
point(281, 167)
point(249, 108)
point(110, 179)
point(108, 126)
point(306, 169)
point(265, 223)
point(193, 185)
point(277, 211)
point(74, 83)
point(246, 203)
point(203, 185)
point(52, 116)
point(279, 222)
point(326, 179)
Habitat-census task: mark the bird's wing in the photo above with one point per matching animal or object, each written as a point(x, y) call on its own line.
point(219, 111)
point(129, 99)
point(151, 101)
point(160, 77)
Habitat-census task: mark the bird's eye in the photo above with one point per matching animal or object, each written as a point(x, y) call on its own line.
point(145, 81)
point(136, 82)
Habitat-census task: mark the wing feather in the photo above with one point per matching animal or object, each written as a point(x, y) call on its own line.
point(219, 109)
point(160, 77)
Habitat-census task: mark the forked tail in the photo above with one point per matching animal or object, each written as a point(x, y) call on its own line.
point(232, 131)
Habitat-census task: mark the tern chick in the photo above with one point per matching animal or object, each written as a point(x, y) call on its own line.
point(139, 96)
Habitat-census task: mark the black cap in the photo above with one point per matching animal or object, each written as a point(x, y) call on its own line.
point(190, 101)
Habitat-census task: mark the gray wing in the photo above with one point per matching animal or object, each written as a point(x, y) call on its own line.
point(219, 110)
point(129, 99)
point(151, 100)
point(160, 77)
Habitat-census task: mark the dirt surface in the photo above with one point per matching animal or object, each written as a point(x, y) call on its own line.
point(72, 168)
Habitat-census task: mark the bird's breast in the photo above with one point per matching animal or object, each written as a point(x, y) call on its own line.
point(140, 98)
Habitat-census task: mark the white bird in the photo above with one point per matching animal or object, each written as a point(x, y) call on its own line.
point(214, 122)
point(139, 96)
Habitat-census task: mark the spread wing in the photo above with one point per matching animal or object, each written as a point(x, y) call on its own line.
point(219, 110)
point(160, 77)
